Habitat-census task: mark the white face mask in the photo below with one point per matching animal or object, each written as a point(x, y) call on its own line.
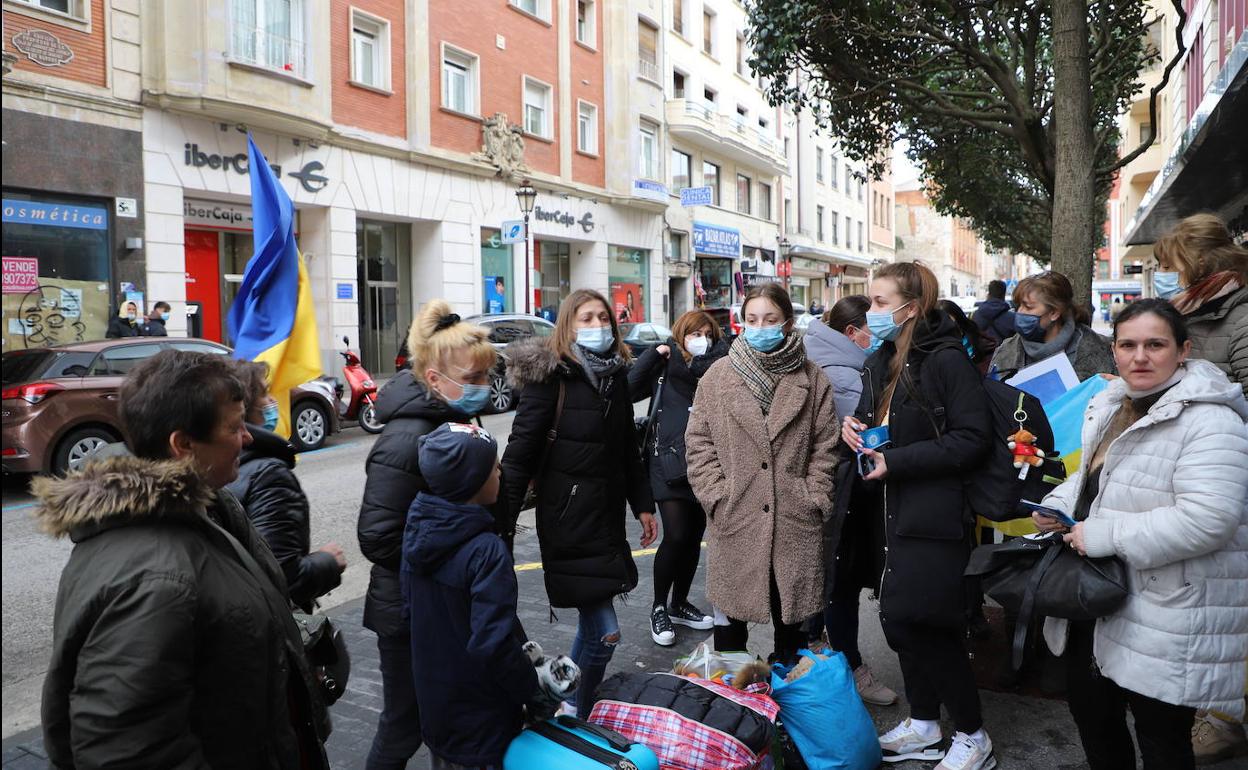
point(697, 345)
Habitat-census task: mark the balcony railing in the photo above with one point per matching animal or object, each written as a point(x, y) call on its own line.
point(734, 126)
point(262, 48)
point(648, 70)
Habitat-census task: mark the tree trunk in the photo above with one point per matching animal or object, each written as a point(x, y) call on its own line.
point(1075, 219)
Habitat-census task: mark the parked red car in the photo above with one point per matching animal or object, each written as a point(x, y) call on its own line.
point(59, 404)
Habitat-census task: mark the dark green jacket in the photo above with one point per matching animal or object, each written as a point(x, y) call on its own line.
point(173, 644)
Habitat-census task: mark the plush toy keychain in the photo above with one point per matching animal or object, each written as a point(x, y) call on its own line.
point(1026, 453)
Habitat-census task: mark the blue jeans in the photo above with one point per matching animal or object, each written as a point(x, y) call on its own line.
point(597, 634)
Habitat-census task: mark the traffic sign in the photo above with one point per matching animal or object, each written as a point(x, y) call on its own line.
point(696, 196)
point(513, 231)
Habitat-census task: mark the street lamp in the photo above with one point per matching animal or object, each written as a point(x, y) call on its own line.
point(784, 246)
point(527, 195)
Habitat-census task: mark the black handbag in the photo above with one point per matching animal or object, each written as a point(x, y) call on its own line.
point(327, 654)
point(1040, 576)
point(646, 425)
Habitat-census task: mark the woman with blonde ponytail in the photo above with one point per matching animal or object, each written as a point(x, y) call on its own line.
point(451, 362)
point(921, 386)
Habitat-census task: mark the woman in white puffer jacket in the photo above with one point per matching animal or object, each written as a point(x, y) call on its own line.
point(1163, 485)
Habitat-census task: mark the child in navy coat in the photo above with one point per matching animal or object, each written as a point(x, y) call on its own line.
point(473, 678)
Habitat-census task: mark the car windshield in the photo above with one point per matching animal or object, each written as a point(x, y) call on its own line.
point(26, 365)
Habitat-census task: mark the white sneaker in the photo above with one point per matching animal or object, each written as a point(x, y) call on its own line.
point(661, 630)
point(906, 742)
point(966, 753)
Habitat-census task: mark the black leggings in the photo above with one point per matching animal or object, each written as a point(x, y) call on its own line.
point(677, 560)
point(789, 637)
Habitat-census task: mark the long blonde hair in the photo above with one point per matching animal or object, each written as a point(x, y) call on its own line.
point(1199, 246)
point(438, 332)
point(565, 325)
point(917, 284)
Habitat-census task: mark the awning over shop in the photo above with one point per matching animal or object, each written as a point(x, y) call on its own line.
point(1208, 169)
point(834, 257)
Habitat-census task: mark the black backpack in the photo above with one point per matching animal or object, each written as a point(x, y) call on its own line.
point(995, 489)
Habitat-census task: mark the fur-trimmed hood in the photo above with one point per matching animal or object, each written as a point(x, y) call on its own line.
point(531, 360)
point(117, 491)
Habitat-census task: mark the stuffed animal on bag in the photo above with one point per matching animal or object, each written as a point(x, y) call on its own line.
point(557, 679)
point(1023, 445)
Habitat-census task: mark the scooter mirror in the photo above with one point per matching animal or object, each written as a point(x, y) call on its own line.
point(346, 341)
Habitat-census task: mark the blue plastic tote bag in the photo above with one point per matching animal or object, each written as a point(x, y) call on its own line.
point(825, 716)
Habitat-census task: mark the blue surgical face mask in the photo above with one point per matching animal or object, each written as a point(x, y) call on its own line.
point(874, 346)
point(1166, 284)
point(595, 338)
point(1029, 327)
point(270, 415)
point(764, 339)
point(882, 326)
point(164, 316)
point(472, 400)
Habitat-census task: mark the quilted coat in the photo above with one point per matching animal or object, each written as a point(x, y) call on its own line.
point(1173, 504)
point(1219, 334)
point(766, 484)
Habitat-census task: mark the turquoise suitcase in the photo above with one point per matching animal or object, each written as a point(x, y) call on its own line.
point(568, 743)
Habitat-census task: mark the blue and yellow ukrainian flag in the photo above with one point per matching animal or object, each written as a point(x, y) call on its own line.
point(271, 320)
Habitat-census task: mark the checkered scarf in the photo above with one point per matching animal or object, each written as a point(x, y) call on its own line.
point(761, 371)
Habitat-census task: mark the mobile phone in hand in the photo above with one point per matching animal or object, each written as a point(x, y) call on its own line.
point(1048, 513)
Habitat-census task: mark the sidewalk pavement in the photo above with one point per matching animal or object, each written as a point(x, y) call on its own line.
point(1029, 733)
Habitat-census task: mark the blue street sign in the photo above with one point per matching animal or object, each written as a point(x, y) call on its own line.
point(346, 291)
point(513, 231)
point(715, 241)
point(695, 196)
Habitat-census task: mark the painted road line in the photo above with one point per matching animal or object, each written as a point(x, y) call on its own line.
point(19, 507)
point(538, 565)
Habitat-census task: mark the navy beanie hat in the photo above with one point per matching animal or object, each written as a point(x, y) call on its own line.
point(456, 460)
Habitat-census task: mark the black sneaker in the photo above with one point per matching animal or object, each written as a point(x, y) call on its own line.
point(687, 615)
point(661, 630)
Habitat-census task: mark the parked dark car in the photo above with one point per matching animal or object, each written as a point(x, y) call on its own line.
point(506, 328)
point(59, 404)
point(642, 336)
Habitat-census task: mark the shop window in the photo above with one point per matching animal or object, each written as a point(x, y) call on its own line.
point(496, 273)
point(384, 304)
point(459, 81)
point(713, 283)
point(56, 270)
point(269, 34)
point(629, 273)
point(555, 276)
point(370, 50)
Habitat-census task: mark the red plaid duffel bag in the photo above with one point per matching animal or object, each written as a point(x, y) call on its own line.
point(691, 724)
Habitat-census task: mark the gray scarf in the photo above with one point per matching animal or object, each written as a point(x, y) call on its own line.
point(598, 368)
point(1067, 340)
point(762, 371)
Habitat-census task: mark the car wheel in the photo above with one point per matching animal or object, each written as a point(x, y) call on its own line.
point(368, 417)
point(501, 396)
point(76, 449)
point(309, 426)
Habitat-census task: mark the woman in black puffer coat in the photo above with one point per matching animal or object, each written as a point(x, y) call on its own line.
point(582, 456)
point(451, 362)
point(269, 492)
point(696, 343)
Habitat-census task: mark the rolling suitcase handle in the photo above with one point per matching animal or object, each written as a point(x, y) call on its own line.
point(576, 743)
point(613, 739)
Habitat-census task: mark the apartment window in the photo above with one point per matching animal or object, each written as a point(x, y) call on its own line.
point(708, 32)
point(269, 33)
point(818, 164)
point(536, 108)
point(678, 84)
point(788, 215)
point(861, 186)
point(1145, 130)
point(710, 178)
point(647, 50)
point(835, 164)
point(849, 233)
point(678, 17)
point(763, 123)
point(459, 81)
point(743, 193)
point(648, 157)
point(860, 236)
point(586, 22)
point(849, 181)
point(743, 118)
point(370, 50)
point(538, 8)
point(586, 127)
point(676, 247)
point(682, 163)
point(786, 147)
point(68, 7)
point(742, 67)
point(764, 201)
point(836, 228)
point(819, 223)
point(710, 97)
